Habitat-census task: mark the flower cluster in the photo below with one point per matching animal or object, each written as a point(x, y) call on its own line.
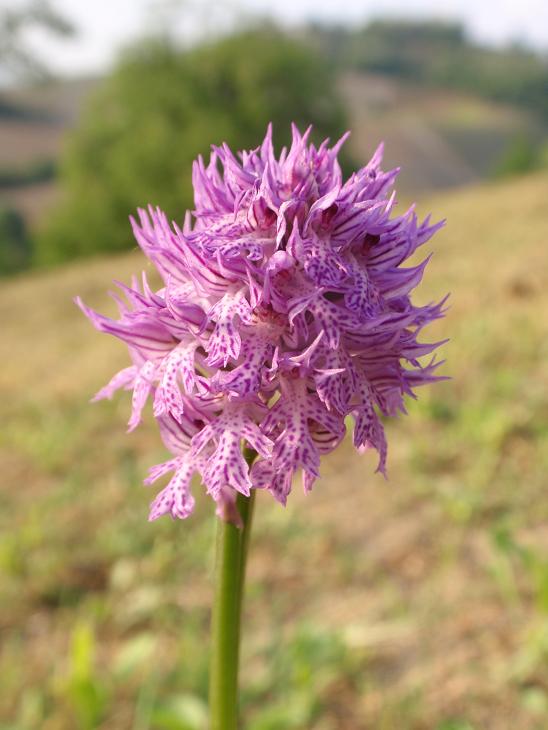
point(284, 310)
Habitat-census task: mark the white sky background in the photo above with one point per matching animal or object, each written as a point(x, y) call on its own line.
point(104, 26)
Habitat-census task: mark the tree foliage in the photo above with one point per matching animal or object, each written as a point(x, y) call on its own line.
point(522, 155)
point(160, 109)
point(15, 245)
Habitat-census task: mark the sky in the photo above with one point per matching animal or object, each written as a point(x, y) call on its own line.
point(107, 25)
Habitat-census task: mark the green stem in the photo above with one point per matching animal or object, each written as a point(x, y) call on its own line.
point(232, 546)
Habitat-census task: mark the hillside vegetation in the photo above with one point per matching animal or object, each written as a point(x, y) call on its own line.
point(438, 53)
point(76, 157)
point(441, 138)
point(162, 107)
point(420, 603)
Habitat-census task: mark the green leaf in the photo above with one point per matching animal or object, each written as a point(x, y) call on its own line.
point(186, 712)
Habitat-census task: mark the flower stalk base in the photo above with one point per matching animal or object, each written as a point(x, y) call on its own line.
point(232, 544)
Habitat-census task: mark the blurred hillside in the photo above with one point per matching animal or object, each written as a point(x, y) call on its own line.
point(33, 125)
point(420, 603)
point(439, 54)
point(451, 113)
point(441, 138)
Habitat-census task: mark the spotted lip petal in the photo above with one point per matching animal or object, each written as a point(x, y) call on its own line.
point(285, 308)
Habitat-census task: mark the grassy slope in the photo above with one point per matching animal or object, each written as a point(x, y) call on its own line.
point(417, 603)
point(441, 139)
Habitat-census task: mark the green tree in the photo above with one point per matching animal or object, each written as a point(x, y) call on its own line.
point(522, 155)
point(159, 109)
point(15, 245)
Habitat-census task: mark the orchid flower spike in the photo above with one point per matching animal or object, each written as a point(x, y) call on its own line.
point(284, 309)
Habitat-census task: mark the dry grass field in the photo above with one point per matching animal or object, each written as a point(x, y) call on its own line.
point(419, 603)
